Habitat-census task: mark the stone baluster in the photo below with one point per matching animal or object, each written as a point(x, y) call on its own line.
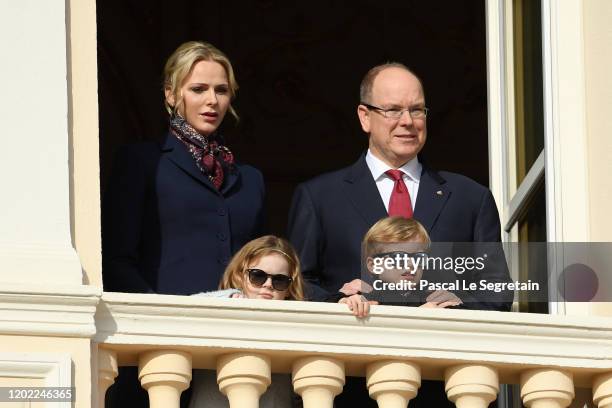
point(107, 371)
point(547, 388)
point(471, 386)
point(165, 374)
point(243, 378)
point(602, 391)
point(318, 380)
point(393, 383)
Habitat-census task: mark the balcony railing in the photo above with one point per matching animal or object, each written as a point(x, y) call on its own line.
point(394, 348)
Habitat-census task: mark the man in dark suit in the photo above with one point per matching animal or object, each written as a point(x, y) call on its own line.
point(331, 213)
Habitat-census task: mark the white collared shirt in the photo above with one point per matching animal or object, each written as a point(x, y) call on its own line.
point(412, 177)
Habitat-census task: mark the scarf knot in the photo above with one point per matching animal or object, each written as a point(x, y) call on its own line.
point(210, 155)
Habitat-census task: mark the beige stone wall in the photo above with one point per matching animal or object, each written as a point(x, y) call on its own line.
point(83, 134)
point(598, 60)
point(597, 15)
point(79, 350)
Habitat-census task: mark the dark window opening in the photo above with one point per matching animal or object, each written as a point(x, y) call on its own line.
point(299, 65)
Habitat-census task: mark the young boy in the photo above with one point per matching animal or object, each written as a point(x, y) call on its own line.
point(395, 253)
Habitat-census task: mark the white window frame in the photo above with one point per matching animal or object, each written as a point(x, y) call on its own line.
point(563, 160)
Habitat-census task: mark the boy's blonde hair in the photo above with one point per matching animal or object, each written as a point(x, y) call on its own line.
point(235, 273)
point(393, 230)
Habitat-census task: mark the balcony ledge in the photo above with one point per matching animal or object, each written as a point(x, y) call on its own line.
point(48, 310)
point(435, 339)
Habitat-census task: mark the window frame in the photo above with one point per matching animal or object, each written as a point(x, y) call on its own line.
point(565, 136)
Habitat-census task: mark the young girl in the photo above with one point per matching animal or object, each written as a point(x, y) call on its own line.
point(265, 268)
point(269, 268)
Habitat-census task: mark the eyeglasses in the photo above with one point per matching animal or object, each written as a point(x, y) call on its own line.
point(402, 255)
point(396, 113)
point(280, 282)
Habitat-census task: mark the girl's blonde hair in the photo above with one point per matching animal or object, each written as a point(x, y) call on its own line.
point(180, 64)
point(235, 273)
point(394, 229)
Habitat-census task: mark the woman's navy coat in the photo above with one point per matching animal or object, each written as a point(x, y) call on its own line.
point(166, 229)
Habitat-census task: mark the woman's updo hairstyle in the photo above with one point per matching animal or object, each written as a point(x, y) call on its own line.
point(180, 64)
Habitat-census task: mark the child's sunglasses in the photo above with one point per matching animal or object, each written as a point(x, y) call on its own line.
point(280, 282)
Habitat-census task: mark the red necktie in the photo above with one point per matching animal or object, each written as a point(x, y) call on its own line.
point(400, 203)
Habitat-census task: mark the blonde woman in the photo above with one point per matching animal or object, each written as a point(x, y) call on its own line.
point(175, 212)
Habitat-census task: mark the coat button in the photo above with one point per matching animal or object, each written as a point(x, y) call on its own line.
point(223, 260)
point(221, 212)
point(221, 236)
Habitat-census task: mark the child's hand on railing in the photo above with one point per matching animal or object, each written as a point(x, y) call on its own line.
point(355, 286)
point(358, 304)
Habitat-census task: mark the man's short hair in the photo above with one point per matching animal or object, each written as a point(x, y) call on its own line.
point(394, 230)
point(365, 89)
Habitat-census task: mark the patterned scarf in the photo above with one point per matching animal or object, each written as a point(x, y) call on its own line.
point(212, 158)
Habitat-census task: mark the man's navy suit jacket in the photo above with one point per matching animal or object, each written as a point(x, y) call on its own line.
point(166, 228)
point(330, 215)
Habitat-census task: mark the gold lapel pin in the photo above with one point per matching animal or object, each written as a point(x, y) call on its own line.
point(439, 192)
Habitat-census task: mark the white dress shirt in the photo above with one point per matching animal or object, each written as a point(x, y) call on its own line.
point(412, 177)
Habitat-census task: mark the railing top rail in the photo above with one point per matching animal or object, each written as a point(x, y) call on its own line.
point(438, 336)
